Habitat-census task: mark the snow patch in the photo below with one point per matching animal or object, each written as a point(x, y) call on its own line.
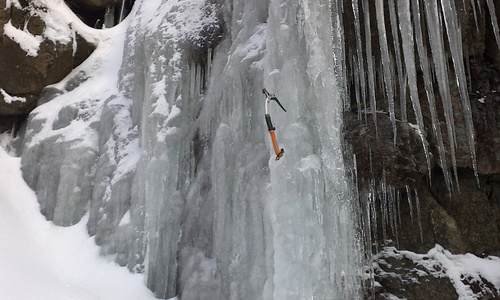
point(39, 260)
point(28, 42)
point(440, 263)
point(9, 99)
point(15, 3)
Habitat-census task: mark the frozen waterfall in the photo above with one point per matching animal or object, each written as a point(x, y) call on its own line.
point(173, 164)
point(159, 137)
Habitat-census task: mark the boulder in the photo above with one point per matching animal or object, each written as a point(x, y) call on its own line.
point(28, 73)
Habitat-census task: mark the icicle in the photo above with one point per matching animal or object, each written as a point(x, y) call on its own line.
point(472, 3)
point(386, 62)
point(384, 206)
point(409, 58)
point(209, 64)
point(359, 55)
point(199, 80)
point(357, 87)
point(369, 62)
point(193, 80)
point(494, 21)
point(399, 67)
point(417, 205)
point(373, 209)
point(408, 193)
point(424, 65)
point(392, 211)
point(455, 42)
point(398, 206)
point(467, 67)
point(109, 17)
point(122, 12)
point(441, 71)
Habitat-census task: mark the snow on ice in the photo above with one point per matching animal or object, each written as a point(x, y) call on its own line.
point(40, 260)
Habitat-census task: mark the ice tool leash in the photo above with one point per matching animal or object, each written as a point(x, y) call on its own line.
point(270, 127)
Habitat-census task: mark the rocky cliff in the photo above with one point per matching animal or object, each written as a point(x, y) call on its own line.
point(417, 202)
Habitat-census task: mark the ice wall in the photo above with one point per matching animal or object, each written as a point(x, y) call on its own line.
point(174, 164)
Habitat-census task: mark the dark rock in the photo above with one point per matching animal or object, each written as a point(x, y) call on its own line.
point(94, 4)
point(377, 155)
point(485, 104)
point(411, 276)
point(28, 75)
point(475, 210)
point(405, 279)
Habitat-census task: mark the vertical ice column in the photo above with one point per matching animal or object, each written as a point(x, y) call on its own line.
point(397, 52)
point(455, 44)
point(316, 253)
point(433, 17)
point(370, 61)
point(429, 89)
point(386, 62)
point(409, 57)
point(359, 63)
point(494, 21)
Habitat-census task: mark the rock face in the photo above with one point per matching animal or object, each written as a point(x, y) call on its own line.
point(29, 72)
point(416, 210)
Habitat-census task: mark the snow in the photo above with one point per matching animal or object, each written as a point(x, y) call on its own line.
point(39, 260)
point(28, 42)
point(9, 99)
point(14, 3)
point(440, 262)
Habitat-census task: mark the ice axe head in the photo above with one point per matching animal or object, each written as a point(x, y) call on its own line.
point(272, 97)
point(277, 101)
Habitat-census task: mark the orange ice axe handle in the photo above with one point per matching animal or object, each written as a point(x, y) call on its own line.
point(279, 153)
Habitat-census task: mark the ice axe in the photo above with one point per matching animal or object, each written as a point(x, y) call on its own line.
point(270, 127)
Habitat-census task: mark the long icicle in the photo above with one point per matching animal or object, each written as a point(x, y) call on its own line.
point(474, 12)
point(494, 21)
point(386, 62)
point(369, 62)
point(409, 58)
point(357, 88)
point(359, 54)
point(399, 67)
point(425, 66)
point(455, 41)
point(441, 70)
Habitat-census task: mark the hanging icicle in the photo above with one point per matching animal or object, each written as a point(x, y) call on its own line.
point(455, 43)
point(494, 21)
point(409, 58)
point(386, 62)
point(399, 67)
point(433, 16)
point(429, 90)
point(359, 62)
point(370, 63)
